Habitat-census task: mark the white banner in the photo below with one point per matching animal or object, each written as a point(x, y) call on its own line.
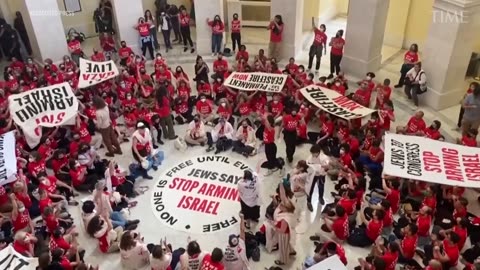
point(330, 263)
point(11, 260)
point(334, 103)
point(92, 73)
point(8, 159)
point(257, 81)
point(49, 106)
point(432, 161)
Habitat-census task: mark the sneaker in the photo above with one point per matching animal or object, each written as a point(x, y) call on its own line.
point(108, 154)
point(217, 151)
point(321, 201)
point(310, 206)
point(131, 227)
point(154, 168)
point(119, 152)
point(148, 177)
point(155, 146)
point(210, 149)
point(185, 49)
point(202, 144)
point(315, 238)
point(192, 50)
point(132, 222)
point(160, 142)
point(330, 76)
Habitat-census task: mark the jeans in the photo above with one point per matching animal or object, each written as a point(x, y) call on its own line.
point(216, 42)
point(153, 35)
point(370, 164)
point(166, 38)
point(117, 219)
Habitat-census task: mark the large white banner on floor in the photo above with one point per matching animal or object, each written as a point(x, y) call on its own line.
point(8, 159)
point(49, 106)
point(330, 263)
point(334, 103)
point(432, 161)
point(257, 81)
point(92, 73)
point(12, 260)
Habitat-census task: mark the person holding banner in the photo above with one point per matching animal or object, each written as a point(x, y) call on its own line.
point(104, 125)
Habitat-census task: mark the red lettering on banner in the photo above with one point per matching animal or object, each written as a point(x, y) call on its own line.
point(199, 205)
point(471, 163)
point(98, 76)
point(48, 119)
point(242, 77)
point(347, 103)
point(431, 162)
point(217, 191)
point(183, 184)
point(451, 163)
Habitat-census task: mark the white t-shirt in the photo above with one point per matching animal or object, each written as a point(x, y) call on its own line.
point(161, 264)
point(136, 257)
point(248, 191)
point(235, 258)
point(194, 263)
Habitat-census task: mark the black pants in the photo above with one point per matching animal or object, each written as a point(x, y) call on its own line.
point(315, 51)
point(460, 117)
point(271, 154)
point(166, 38)
point(412, 92)
point(403, 73)
point(241, 148)
point(318, 181)
point(89, 184)
point(26, 41)
point(176, 28)
point(236, 40)
point(335, 63)
point(185, 30)
point(290, 138)
point(147, 44)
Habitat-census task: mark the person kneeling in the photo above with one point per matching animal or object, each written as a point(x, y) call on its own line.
point(196, 132)
point(246, 140)
point(221, 135)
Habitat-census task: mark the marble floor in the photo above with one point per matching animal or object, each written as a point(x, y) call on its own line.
point(153, 230)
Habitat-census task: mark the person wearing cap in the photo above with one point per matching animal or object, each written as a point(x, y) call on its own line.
point(235, 255)
point(196, 134)
point(142, 146)
point(222, 135)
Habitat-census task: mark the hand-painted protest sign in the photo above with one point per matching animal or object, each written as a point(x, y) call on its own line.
point(12, 260)
point(199, 195)
point(258, 81)
point(8, 159)
point(49, 106)
point(334, 103)
point(92, 73)
point(432, 161)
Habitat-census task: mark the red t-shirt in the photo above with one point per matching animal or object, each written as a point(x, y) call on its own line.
point(236, 26)
point(218, 28)
point(320, 37)
point(276, 36)
point(394, 199)
point(423, 224)
point(22, 221)
point(51, 222)
point(337, 46)
point(467, 141)
point(452, 252)
point(327, 128)
point(203, 107)
point(409, 244)
point(362, 97)
point(75, 47)
point(184, 20)
point(433, 134)
point(3, 195)
point(244, 109)
point(144, 29)
point(269, 135)
point(208, 264)
point(411, 56)
point(302, 131)
point(277, 108)
point(290, 122)
point(340, 227)
point(415, 125)
point(124, 52)
point(374, 229)
point(43, 203)
point(390, 260)
point(21, 248)
point(348, 205)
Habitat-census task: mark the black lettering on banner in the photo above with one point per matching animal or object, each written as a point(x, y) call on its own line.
point(160, 207)
point(219, 225)
point(329, 106)
point(7, 262)
point(414, 163)
point(99, 67)
point(397, 154)
point(3, 171)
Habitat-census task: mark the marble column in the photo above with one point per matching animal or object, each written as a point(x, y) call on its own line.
point(448, 50)
point(364, 36)
point(233, 6)
point(292, 15)
point(45, 29)
point(6, 12)
point(126, 14)
point(207, 9)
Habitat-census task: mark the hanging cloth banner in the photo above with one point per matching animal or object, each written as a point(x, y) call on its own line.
point(334, 103)
point(92, 73)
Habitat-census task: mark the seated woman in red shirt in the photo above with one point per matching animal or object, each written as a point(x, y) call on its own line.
point(469, 138)
point(20, 217)
point(52, 221)
point(214, 261)
point(373, 161)
point(24, 244)
point(335, 223)
point(433, 131)
point(81, 180)
point(242, 54)
point(183, 111)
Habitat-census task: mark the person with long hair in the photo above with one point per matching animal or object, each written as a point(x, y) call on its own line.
point(285, 223)
point(143, 28)
point(133, 252)
point(104, 126)
point(319, 45)
point(163, 110)
point(153, 27)
point(185, 29)
point(336, 53)
point(276, 33)
point(235, 29)
point(409, 60)
point(217, 33)
point(272, 163)
point(249, 197)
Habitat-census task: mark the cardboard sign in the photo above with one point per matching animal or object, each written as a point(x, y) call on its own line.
point(199, 195)
point(8, 159)
point(49, 106)
point(432, 161)
point(12, 260)
point(334, 103)
point(257, 81)
point(92, 73)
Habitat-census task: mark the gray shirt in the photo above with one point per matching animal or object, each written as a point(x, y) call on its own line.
point(472, 114)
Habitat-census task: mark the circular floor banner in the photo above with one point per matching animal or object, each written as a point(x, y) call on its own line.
point(199, 195)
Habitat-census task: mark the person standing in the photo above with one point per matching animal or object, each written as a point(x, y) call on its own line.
point(319, 45)
point(163, 110)
point(319, 161)
point(410, 59)
point(235, 29)
point(22, 31)
point(143, 28)
point(272, 164)
point(417, 83)
point(185, 29)
point(336, 53)
point(150, 19)
point(249, 197)
point(166, 27)
point(470, 89)
point(276, 34)
point(173, 13)
point(471, 116)
point(289, 126)
point(104, 125)
point(217, 33)
point(285, 227)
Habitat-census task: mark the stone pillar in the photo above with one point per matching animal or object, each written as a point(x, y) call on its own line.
point(126, 14)
point(207, 9)
point(45, 29)
point(6, 12)
point(364, 36)
point(233, 6)
point(292, 15)
point(448, 50)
